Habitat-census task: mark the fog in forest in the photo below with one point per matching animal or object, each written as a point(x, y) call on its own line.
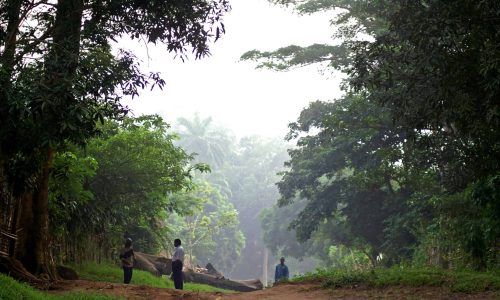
point(356, 139)
point(235, 117)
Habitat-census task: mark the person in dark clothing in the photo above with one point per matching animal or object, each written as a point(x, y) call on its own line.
point(281, 272)
point(177, 262)
point(127, 259)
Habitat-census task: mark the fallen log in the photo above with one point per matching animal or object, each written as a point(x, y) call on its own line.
point(154, 264)
point(223, 283)
point(212, 271)
point(160, 265)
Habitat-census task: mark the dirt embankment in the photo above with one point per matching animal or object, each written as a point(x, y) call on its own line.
point(281, 292)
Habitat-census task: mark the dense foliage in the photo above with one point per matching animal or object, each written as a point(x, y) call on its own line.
point(60, 75)
point(135, 180)
point(404, 167)
point(210, 230)
point(120, 185)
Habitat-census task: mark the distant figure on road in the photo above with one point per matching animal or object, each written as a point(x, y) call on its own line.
point(177, 260)
point(281, 272)
point(127, 258)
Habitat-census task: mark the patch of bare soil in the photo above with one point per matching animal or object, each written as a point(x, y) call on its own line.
point(281, 292)
point(128, 291)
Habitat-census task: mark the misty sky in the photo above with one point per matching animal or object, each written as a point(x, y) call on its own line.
point(234, 93)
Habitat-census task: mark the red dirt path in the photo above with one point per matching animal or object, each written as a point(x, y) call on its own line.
point(282, 292)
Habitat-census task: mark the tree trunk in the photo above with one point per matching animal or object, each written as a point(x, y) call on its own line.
point(61, 64)
point(63, 57)
point(26, 227)
point(13, 10)
point(372, 256)
point(33, 248)
point(265, 263)
point(45, 263)
point(33, 245)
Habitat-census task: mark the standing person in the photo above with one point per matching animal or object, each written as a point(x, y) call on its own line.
point(281, 272)
point(127, 258)
point(177, 260)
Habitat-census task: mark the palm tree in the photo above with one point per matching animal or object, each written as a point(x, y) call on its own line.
point(211, 145)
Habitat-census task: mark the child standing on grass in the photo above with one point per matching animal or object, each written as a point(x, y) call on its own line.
point(127, 258)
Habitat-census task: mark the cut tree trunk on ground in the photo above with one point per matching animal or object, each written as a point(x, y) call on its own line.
point(223, 283)
point(160, 265)
point(154, 264)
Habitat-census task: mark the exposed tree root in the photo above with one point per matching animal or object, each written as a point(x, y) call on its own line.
point(16, 270)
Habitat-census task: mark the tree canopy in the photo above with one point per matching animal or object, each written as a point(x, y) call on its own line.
point(60, 74)
point(401, 161)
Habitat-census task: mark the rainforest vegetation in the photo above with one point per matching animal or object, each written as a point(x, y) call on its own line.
point(401, 170)
point(404, 168)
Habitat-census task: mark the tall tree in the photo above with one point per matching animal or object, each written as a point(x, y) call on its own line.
point(210, 144)
point(436, 71)
point(432, 64)
point(432, 67)
point(49, 93)
point(350, 171)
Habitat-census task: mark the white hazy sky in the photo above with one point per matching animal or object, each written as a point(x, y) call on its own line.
point(234, 93)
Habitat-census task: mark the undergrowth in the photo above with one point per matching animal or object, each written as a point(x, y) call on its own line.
point(456, 281)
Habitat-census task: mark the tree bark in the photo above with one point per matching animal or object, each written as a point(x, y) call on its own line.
point(63, 57)
point(45, 263)
point(13, 10)
point(264, 266)
point(33, 246)
point(25, 241)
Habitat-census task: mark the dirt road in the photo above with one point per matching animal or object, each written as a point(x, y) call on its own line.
point(281, 292)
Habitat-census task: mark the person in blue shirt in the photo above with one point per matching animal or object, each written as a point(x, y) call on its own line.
point(281, 272)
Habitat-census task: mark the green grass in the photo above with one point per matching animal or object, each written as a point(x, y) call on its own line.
point(456, 281)
point(111, 273)
point(12, 289)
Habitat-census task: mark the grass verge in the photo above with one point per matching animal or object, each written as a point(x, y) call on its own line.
point(456, 281)
point(10, 289)
point(111, 273)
